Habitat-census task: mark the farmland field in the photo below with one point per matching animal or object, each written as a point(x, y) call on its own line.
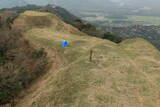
point(100, 17)
point(147, 19)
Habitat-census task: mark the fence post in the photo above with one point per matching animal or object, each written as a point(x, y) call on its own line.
point(91, 55)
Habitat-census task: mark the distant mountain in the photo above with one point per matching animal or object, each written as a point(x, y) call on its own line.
point(125, 7)
point(61, 12)
point(70, 4)
point(83, 5)
point(144, 7)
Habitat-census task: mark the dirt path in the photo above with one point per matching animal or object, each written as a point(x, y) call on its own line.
point(39, 86)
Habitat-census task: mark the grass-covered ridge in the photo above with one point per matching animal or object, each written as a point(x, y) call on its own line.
point(125, 74)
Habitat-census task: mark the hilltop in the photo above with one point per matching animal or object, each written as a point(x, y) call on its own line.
point(125, 74)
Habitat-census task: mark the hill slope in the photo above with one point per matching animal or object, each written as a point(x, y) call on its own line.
point(125, 74)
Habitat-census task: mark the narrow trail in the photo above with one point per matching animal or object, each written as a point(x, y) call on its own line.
point(39, 85)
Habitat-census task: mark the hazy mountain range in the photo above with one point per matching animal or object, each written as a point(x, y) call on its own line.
point(120, 7)
point(79, 4)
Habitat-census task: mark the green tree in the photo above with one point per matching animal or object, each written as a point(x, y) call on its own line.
point(112, 37)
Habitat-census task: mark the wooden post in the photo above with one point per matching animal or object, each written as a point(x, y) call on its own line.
point(91, 55)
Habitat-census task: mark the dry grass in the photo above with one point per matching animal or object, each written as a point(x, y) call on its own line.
point(124, 75)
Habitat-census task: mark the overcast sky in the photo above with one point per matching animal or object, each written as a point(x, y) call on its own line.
point(68, 3)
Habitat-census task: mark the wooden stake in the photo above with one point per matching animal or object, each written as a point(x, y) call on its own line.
point(91, 55)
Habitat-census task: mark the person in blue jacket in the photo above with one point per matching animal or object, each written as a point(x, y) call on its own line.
point(64, 43)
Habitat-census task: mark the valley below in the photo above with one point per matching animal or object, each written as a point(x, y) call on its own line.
point(132, 26)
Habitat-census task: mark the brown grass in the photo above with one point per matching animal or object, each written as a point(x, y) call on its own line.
point(124, 75)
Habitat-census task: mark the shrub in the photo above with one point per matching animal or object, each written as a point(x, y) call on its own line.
point(87, 28)
point(9, 83)
point(112, 37)
point(39, 53)
point(20, 64)
point(3, 58)
point(40, 66)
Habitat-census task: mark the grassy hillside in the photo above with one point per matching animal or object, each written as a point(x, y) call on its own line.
point(62, 13)
point(120, 75)
point(20, 63)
